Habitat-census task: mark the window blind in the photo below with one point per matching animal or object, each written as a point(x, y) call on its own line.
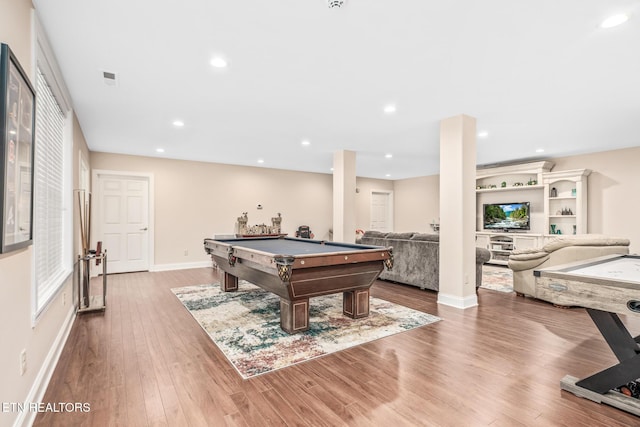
point(49, 195)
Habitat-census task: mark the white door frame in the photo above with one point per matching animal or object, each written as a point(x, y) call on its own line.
point(389, 207)
point(95, 185)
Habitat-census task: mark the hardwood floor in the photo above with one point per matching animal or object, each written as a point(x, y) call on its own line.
point(145, 361)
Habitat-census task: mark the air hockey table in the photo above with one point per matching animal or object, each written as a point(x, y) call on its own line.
point(606, 287)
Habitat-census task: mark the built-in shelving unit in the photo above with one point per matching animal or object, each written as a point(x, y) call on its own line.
point(565, 202)
point(524, 176)
point(498, 189)
point(560, 207)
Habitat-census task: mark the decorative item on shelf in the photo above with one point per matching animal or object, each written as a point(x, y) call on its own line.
point(435, 226)
point(276, 222)
point(574, 229)
point(573, 192)
point(532, 182)
point(479, 187)
point(492, 186)
point(558, 231)
point(242, 223)
point(242, 229)
point(558, 212)
point(503, 184)
point(518, 184)
point(554, 192)
point(552, 228)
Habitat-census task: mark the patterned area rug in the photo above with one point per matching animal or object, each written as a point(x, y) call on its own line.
point(245, 325)
point(497, 278)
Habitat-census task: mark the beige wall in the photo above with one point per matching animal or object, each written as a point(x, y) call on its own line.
point(219, 193)
point(17, 331)
point(613, 191)
point(613, 188)
point(194, 200)
point(417, 203)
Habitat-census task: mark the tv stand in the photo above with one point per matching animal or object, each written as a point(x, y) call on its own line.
point(501, 244)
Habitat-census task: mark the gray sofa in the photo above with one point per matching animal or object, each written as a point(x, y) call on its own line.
point(416, 258)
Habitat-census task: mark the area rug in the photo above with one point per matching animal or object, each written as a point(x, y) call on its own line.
point(497, 278)
point(245, 325)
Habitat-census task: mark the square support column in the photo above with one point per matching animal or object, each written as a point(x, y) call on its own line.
point(457, 212)
point(344, 196)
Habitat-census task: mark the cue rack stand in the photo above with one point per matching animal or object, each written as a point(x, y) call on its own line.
point(87, 302)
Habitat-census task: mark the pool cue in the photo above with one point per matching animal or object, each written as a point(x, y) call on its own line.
point(88, 218)
point(84, 247)
point(83, 235)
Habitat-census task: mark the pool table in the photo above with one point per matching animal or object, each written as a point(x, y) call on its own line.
point(605, 286)
point(298, 269)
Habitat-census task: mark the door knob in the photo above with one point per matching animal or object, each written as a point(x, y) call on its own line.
point(144, 229)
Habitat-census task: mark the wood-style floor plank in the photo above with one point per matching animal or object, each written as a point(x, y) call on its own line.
point(145, 361)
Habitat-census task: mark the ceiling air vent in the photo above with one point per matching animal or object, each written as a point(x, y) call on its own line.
point(109, 78)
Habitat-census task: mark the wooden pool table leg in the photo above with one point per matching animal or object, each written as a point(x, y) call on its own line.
point(228, 282)
point(294, 315)
point(355, 304)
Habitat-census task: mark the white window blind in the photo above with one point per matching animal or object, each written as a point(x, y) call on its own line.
point(50, 271)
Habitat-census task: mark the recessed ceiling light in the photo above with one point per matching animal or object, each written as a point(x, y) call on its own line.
point(178, 123)
point(305, 143)
point(218, 62)
point(388, 156)
point(540, 150)
point(390, 109)
point(260, 161)
point(614, 21)
point(483, 134)
point(387, 175)
point(331, 169)
point(160, 150)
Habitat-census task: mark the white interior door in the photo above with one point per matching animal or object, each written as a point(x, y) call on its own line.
point(123, 219)
point(381, 211)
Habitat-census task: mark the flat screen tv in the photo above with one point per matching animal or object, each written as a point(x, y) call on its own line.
point(506, 216)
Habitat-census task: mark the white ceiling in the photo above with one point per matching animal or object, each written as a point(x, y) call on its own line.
point(536, 75)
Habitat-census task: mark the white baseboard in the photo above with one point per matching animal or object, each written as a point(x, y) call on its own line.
point(458, 302)
point(40, 384)
point(180, 266)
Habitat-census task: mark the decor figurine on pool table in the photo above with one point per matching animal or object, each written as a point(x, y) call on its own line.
point(298, 269)
point(244, 230)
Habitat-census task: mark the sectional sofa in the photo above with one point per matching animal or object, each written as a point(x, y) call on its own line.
point(416, 258)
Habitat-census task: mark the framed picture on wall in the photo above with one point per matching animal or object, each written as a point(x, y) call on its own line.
point(17, 111)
